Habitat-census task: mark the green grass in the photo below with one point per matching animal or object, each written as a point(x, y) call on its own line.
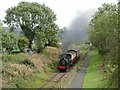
point(14, 58)
point(31, 81)
point(93, 78)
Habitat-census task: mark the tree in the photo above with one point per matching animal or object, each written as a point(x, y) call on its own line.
point(8, 41)
point(39, 42)
point(103, 34)
point(118, 35)
point(1, 29)
point(32, 18)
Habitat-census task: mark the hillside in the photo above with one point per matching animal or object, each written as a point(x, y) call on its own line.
point(24, 70)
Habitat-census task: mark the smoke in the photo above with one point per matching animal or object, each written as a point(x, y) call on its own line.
point(77, 31)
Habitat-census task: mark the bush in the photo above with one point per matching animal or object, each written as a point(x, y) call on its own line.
point(28, 62)
point(23, 42)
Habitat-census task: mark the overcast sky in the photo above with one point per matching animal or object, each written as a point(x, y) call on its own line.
point(65, 10)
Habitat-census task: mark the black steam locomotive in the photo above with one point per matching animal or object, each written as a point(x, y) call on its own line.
point(68, 59)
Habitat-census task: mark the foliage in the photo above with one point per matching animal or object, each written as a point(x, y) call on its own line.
point(103, 34)
point(36, 21)
point(23, 42)
point(61, 32)
point(8, 40)
point(1, 29)
point(40, 41)
point(28, 71)
point(0, 25)
point(103, 26)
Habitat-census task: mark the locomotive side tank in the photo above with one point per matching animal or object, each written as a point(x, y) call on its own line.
point(68, 59)
point(74, 54)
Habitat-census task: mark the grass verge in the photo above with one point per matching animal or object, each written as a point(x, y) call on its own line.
point(94, 76)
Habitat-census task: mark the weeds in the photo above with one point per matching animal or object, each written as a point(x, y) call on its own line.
point(28, 71)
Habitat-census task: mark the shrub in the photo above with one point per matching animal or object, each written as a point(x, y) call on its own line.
point(23, 42)
point(28, 62)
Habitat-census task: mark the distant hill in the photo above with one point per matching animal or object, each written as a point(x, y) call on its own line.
point(17, 32)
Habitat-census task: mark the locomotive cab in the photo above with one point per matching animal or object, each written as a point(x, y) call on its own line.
point(64, 62)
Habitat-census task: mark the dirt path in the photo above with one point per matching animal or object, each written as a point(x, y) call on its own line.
point(78, 80)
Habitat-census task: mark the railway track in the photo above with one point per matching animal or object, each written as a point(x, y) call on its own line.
point(54, 80)
point(58, 76)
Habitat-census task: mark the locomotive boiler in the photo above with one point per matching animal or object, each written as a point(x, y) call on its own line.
point(68, 59)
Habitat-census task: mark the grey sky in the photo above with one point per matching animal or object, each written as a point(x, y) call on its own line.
point(64, 9)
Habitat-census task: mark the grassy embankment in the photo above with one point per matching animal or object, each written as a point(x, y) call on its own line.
point(94, 73)
point(28, 71)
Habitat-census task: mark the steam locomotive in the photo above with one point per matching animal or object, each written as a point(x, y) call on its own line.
point(68, 59)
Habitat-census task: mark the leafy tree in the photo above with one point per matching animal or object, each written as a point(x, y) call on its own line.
point(118, 36)
point(32, 18)
point(1, 29)
point(103, 34)
point(8, 41)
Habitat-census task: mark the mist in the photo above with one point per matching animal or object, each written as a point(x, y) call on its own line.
point(77, 32)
